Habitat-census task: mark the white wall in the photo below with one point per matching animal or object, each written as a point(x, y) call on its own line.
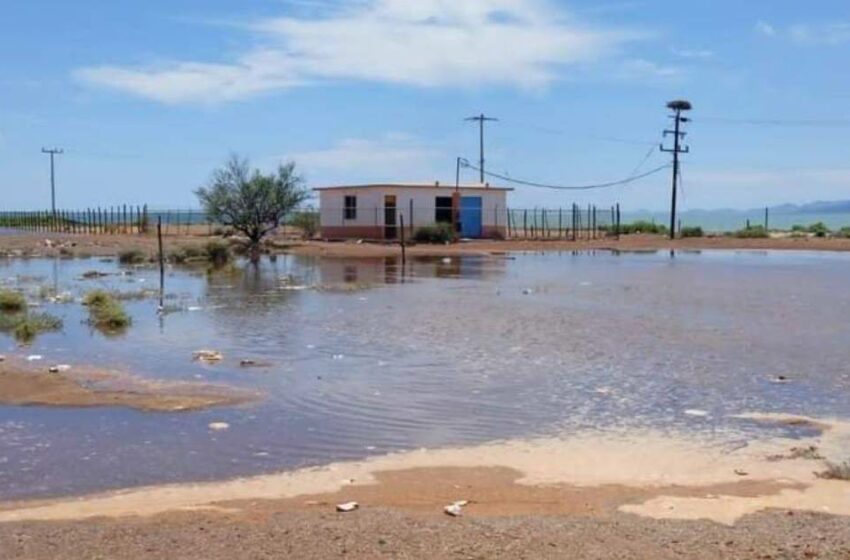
point(370, 205)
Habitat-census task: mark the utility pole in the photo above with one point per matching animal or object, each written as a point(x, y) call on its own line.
point(52, 152)
point(481, 119)
point(678, 107)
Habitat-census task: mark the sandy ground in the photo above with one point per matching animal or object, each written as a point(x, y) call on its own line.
point(27, 385)
point(45, 244)
point(587, 497)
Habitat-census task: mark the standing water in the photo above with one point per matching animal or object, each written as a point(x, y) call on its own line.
point(364, 358)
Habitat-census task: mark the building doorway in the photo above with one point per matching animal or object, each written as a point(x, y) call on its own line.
point(390, 229)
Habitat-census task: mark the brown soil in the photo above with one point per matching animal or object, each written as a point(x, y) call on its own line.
point(401, 517)
point(47, 244)
point(24, 386)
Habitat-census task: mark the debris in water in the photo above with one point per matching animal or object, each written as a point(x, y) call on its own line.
point(58, 368)
point(218, 426)
point(34, 358)
point(696, 412)
point(194, 308)
point(780, 379)
point(527, 292)
point(338, 356)
point(347, 507)
point(207, 356)
point(447, 260)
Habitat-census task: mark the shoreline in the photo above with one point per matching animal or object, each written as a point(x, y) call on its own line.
point(603, 496)
point(31, 245)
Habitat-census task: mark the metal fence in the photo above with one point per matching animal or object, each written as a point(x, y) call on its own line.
point(121, 219)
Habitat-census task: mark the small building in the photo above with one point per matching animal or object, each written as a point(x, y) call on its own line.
point(376, 211)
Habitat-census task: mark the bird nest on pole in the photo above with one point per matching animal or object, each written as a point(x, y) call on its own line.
point(679, 105)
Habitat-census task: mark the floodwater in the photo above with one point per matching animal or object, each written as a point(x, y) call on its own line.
point(366, 360)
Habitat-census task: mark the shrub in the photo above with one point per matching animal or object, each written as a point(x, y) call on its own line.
point(105, 312)
point(843, 232)
point(819, 229)
point(131, 256)
point(12, 302)
point(307, 222)
point(438, 233)
point(695, 231)
point(217, 253)
point(754, 232)
point(798, 228)
point(642, 226)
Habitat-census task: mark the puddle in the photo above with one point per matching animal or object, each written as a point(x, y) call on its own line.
point(363, 359)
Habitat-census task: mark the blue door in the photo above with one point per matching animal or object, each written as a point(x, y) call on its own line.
point(470, 216)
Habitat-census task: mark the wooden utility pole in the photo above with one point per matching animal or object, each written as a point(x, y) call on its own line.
point(481, 119)
point(677, 107)
point(52, 152)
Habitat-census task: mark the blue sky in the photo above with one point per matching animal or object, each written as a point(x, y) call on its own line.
point(148, 97)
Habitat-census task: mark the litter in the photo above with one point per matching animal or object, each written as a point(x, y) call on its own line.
point(447, 260)
point(218, 426)
point(207, 356)
point(527, 292)
point(194, 308)
point(347, 507)
point(739, 472)
point(455, 509)
point(780, 379)
point(34, 358)
point(696, 412)
point(58, 368)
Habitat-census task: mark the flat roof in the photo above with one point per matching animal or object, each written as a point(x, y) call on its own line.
point(434, 185)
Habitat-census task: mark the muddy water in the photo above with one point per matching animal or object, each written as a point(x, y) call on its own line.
point(364, 359)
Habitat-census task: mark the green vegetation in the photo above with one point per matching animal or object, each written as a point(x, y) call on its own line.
point(307, 222)
point(438, 233)
point(642, 226)
point(754, 232)
point(692, 231)
point(12, 302)
point(106, 313)
point(250, 202)
point(216, 253)
point(819, 229)
point(843, 232)
point(836, 472)
point(25, 326)
point(132, 256)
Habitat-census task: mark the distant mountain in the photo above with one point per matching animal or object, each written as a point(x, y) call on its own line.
point(818, 207)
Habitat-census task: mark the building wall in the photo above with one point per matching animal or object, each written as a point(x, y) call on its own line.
point(369, 223)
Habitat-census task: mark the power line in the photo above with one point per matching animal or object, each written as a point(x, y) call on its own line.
point(610, 184)
point(816, 123)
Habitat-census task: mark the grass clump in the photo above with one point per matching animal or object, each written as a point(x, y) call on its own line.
point(819, 229)
point(754, 232)
point(31, 325)
point(642, 226)
point(106, 313)
point(217, 253)
point(836, 471)
point(12, 302)
point(132, 256)
point(438, 233)
point(694, 231)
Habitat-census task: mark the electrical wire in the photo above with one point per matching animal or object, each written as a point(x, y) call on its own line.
point(567, 188)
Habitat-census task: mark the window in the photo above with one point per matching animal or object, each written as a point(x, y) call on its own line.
point(350, 212)
point(443, 210)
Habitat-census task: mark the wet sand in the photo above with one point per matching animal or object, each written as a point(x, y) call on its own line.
point(590, 496)
point(51, 245)
point(85, 387)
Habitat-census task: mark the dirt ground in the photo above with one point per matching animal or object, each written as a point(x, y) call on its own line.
point(401, 517)
point(46, 244)
point(86, 387)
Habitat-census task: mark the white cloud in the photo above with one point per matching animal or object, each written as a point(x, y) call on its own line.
point(831, 34)
point(693, 53)
point(765, 28)
point(642, 69)
point(386, 157)
point(427, 43)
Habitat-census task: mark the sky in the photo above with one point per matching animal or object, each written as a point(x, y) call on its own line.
point(147, 98)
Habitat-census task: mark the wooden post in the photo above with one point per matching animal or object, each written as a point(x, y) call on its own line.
point(401, 238)
point(618, 222)
point(766, 218)
point(161, 263)
point(525, 223)
point(411, 218)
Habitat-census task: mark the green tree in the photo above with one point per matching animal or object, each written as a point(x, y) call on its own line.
point(250, 202)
